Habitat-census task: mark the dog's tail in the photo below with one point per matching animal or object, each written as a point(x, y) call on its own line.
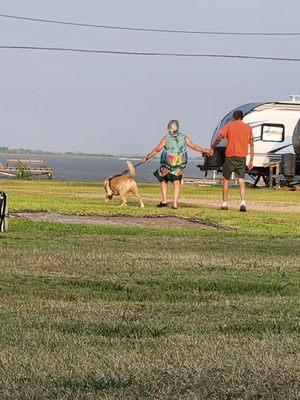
point(131, 169)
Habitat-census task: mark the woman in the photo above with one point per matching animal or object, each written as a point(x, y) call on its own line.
point(173, 161)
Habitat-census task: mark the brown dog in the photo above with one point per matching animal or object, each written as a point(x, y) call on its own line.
point(120, 185)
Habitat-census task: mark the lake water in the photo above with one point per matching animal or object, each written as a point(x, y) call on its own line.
point(92, 168)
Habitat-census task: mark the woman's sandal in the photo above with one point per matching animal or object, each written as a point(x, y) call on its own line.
point(174, 208)
point(161, 204)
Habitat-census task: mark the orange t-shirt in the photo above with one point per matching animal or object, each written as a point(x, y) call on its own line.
point(238, 135)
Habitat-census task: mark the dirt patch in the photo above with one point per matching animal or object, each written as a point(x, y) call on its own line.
point(152, 221)
point(251, 205)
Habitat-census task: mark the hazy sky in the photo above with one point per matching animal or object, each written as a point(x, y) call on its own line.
point(121, 104)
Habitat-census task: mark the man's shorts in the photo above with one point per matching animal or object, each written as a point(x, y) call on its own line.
point(236, 165)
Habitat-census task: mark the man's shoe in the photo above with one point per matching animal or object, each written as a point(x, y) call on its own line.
point(225, 208)
point(243, 208)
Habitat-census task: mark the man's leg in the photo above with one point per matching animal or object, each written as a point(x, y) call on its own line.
point(227, 171)
point(240, 172)
point(164, 192)
point(242, 189)
point(242, 194)
point(176, 193)
point(225, 193)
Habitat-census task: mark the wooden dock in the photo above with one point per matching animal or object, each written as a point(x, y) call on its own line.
point(214, 180)
point(207, 181)
point(201, 181)
point(25, 168)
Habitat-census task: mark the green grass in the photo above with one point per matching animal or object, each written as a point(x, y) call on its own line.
point(100, 312)
point(87, 199)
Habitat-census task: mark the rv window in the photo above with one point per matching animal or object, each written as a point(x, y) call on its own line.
point(272, 132)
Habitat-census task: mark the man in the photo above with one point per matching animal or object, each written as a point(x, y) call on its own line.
point(239, 137)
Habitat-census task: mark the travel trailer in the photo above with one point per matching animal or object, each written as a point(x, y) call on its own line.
point(276, 131)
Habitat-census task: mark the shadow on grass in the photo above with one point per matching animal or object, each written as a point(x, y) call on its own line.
point(119, 330)
point(91, 384)
point(259, 327)
point(193, 288)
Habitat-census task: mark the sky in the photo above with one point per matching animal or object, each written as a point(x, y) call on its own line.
point(122, 104)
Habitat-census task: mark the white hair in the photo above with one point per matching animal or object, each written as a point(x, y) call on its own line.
point(173, 124)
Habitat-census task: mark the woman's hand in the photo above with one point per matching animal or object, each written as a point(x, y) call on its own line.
point(210, 152)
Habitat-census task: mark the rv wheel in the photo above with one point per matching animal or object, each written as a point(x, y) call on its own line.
point(288, 164)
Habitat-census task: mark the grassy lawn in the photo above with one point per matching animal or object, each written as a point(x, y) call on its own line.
point(100, 312)
point(87, 199)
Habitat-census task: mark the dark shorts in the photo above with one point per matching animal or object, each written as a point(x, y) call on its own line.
point(168, 177)
point(236, 165)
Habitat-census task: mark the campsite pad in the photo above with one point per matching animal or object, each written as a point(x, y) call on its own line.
point(152, 221)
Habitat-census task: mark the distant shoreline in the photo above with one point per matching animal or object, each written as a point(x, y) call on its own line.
point(6, 150)
point(66, 153)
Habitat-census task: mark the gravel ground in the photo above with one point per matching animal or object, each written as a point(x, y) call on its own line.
point(153, 221)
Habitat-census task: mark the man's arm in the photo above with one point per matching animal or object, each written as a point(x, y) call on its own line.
point(216, 142)
point(250, 165)
point(223, 134)
point(195, 147)
point(156, 150)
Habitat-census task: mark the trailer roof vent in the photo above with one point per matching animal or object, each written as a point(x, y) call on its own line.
point(295, 97)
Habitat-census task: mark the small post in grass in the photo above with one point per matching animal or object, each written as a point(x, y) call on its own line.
point(3, 212)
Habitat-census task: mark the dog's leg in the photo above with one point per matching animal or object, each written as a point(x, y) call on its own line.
point(108, 192)
point(107, 198)
point(135, 192)
point(124, 199)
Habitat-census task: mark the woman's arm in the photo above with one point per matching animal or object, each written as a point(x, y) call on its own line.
point(157, 149)
point(193, 146)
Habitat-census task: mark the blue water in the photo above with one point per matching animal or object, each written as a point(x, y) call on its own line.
point(91, 168)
